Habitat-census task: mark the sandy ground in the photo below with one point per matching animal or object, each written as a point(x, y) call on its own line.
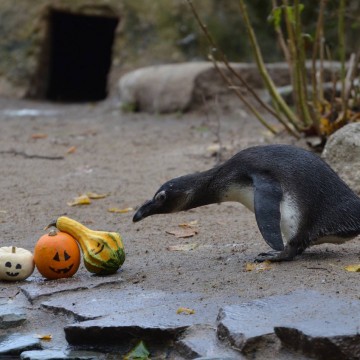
point(128, 156)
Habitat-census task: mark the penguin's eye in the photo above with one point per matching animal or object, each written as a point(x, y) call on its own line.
point(161, 196)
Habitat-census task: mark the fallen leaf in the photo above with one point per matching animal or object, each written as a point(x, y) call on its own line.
point(214, 148)
point(39, 136)
point(185, 310)
point(47, 337)
point(258, 267)
point(80, 200)
point(71, 150)
point(189, 224)
point(120, 211)
point(92, 195)
point(182, 232)
point(140, 352)
point(182, 247)
point(353, 268)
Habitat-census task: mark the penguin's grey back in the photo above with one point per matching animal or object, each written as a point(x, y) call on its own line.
point(291, 166)
point(324, 199)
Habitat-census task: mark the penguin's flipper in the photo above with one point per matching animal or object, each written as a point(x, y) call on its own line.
point(267, 198)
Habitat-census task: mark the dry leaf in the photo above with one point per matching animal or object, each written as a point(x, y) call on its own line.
point(92, 195)
point(189, 224)
point(39, 136)
point(353, 268)
point(120, 211)
point(258, 267)
point(185, 310)
point(80, 200)
point(214, 148)
point(182, 232)
point(182, 247)
point(71, 150)
point(44, 337)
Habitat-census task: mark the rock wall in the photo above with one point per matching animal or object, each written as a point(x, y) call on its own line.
point(23, 32)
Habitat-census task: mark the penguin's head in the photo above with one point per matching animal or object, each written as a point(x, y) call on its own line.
point(175, 195)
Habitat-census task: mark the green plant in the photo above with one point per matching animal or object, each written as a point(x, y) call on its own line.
point(313, 113)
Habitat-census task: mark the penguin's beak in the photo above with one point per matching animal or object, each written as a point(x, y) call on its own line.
point(145, 210)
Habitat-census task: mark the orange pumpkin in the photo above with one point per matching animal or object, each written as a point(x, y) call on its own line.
point(57, 255)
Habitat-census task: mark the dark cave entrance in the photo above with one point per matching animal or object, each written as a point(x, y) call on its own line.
point(79, 55)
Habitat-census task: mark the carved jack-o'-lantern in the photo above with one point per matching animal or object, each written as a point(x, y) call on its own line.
point(57, 255)
point(15, 263)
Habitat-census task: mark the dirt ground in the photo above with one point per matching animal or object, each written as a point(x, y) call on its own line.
point(128, 156)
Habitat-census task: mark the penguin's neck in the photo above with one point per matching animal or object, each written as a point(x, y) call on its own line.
point(202, 190)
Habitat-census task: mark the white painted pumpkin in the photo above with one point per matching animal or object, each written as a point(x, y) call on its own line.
point(15, 263)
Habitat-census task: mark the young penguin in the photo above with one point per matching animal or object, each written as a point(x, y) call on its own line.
point(294, 194)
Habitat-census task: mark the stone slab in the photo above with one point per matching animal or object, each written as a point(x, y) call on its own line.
point(112, 316)
point(61, 355)
point(15, 344)
point(11, 316)
point(40, 287)
point(309, 338)
point(247, 325)
point(200, 341)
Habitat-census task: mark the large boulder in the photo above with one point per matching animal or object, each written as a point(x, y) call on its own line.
point(180, 87)
point(342, 152)
point(163, 88)
point(183, 86)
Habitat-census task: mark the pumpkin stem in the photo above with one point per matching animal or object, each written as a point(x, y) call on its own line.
point(52, 232)
point(13, 249)
point(53, 223)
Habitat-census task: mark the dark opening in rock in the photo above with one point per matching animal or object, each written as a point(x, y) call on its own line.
point(79, 52)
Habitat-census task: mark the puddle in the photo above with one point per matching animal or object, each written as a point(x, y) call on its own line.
point(28, 112)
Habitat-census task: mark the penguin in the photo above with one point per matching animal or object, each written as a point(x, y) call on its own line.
point(297, 198)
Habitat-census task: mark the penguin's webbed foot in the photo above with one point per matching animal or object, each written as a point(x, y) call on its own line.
point(268, 256)
point(287, 254)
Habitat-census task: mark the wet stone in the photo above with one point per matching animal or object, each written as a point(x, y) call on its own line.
point(60, 355)
point(11, 316)
point(15, 344)
point(116, 315)
point(200, 341)
point(340, 341)
point(40, 287)
point(300, 319)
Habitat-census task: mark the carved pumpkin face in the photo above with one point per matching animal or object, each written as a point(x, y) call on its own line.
point(15, 263)
point(97, 247)
point(57, 255)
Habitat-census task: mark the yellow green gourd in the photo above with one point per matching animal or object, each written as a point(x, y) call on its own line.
point(103, 251)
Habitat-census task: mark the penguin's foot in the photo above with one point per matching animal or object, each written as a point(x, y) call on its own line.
point(269, 256)
point(287, 254)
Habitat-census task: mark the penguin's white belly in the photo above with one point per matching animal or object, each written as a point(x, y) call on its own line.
point(243, 195)
point(290, 215)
